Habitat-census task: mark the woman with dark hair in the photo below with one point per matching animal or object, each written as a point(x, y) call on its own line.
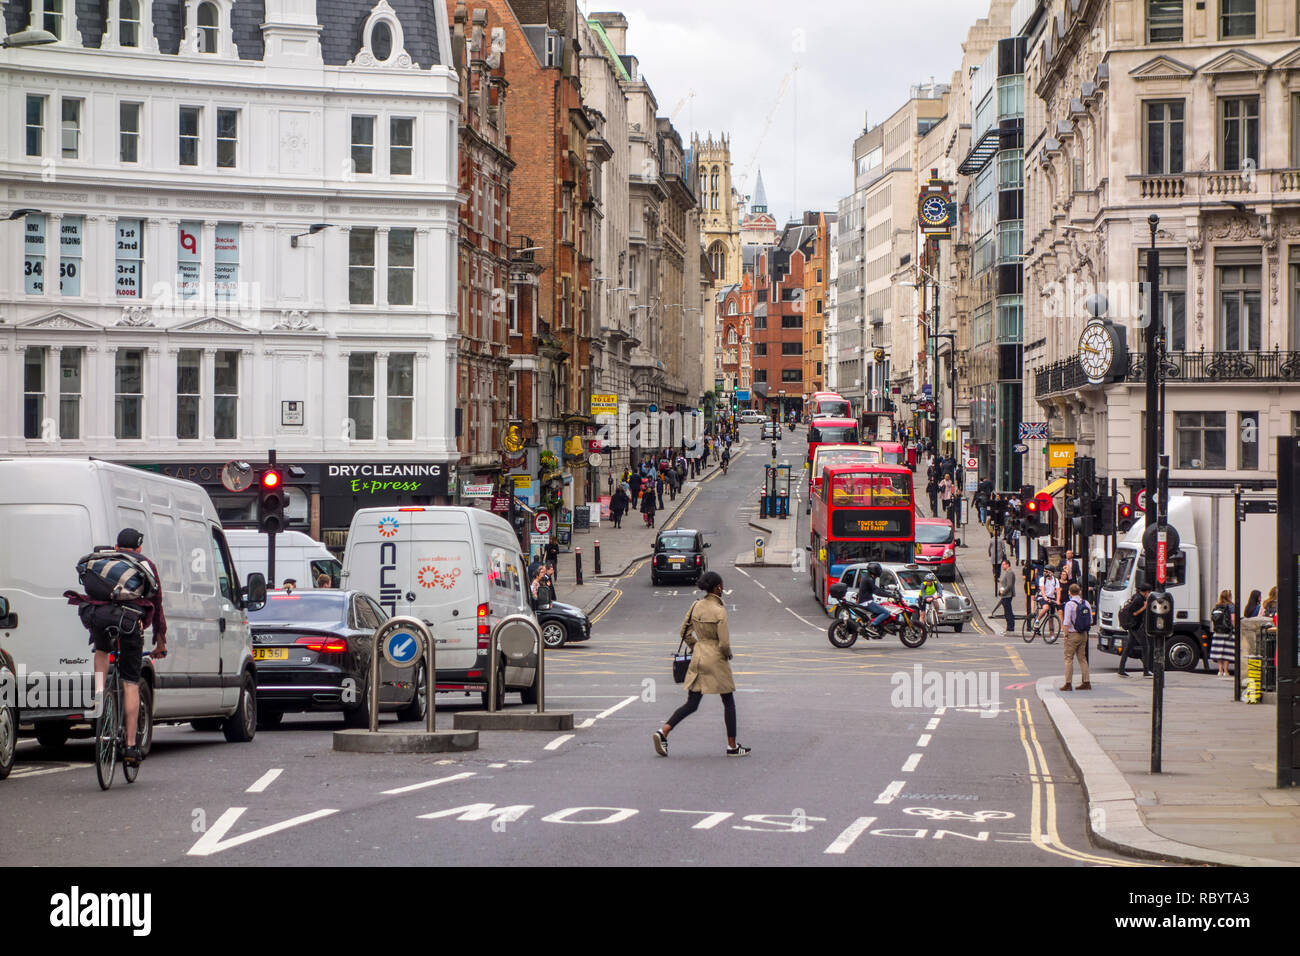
point(648, 506)
point(705, 631)
point(1252, 604)
point(1223, 649)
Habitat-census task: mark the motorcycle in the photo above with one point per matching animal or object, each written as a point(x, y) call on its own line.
point(790, 425)
point(851, 621)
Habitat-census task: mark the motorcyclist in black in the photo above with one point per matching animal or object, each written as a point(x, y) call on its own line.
point(869, 587)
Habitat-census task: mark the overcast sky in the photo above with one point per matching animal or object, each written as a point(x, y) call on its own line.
point(855, 58)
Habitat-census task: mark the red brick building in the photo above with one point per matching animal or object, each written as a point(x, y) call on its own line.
point(779, 311)
point(735, 322)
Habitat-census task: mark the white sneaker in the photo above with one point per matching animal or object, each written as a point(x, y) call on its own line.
point(738, 751)
point(661, 744)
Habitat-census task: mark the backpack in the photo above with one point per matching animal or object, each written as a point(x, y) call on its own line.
point(1221, 620)
point(1128, 613)
point(1082, 617)
point(116, 576)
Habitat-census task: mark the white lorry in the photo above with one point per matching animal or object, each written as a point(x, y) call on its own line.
point(298, 556)
point(1204, 525)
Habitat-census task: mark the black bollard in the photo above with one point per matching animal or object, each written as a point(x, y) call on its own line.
point(577, 565)
point(598, 557)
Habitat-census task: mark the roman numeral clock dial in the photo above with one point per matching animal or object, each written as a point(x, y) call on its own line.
point(1096, 352)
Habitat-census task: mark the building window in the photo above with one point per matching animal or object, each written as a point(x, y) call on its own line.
point(128, 31)
point(401, 146)
point(227, 138)
point(53, 17)
point(225, 402)
point(129, 253)
point(1011, 96)
point(70, 393)
point(208, 27)
point(363, 144)
point(34, 254)
point(1201, 439)
point(189, 135)
point(792, 348)
point(71, 230)
point(1236, 18)
point(1164, 21)
point(1240, 324)
point(189, 376)
point(361, 266)
point(760, 349)
point(361, 395)
point(791, 375)
point(128, 124)
point(1293, 340)
point(514, 312)
point(1164, 132)
point(128, 387)
point(1248, 447)
point(71, 130)
point(1011, 168)
point(732, 338)
point(401, 267)
point(33, 392)
point(225, 275)
point(792, 321)
point(401, 396)
point(1010, 313)
point(1010, 240)
point(35, 125)
point(1239, 132)
point(189, 260)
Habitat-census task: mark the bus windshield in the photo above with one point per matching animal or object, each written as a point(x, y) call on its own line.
point(845, 456)
point(831, 408)
point(832, 434)
point(868, 490)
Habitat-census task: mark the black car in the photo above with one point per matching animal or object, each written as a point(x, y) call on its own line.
point(313, 651)
point(679, 555)
point(562, 624)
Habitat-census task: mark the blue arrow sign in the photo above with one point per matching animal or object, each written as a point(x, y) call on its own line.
point(401, 647)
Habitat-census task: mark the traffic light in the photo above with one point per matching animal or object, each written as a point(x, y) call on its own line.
point(1124, 517)
point(1160, 614)
point(270, 502)
point(1080, 509)
point(1103, 514)
point(1034, 520)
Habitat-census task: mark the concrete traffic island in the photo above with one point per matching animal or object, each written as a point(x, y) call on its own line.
point(507, 720)
point(405, 741)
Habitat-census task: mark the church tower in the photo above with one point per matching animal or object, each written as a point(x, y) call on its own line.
point(719, 209)
point(758, 228)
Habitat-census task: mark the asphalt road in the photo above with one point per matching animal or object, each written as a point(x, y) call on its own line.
point(845, 769)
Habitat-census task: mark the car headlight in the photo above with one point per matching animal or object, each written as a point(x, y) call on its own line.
point(948, 552)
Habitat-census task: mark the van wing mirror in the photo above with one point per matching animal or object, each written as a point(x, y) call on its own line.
point(7, 617)
point(4, 607)
point(255, 592)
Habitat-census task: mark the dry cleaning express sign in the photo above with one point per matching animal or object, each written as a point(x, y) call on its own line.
point(384, 479)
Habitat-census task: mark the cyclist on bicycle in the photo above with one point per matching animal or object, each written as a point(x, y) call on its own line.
point(1049, 596)
point(132, 650)
point(869, 587)
point(932, 593)
point(726, 458)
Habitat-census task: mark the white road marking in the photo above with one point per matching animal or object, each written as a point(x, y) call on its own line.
point(558, 742)
point(36, 772)
point(427, 783)
point(497, 766)
point(264, 781)
point(520, 761)
point(711, 819)
point(850, 833)
point(804, 619)
point(911, 763)
point(941, 711)
point(923, 740)
point(933, 724)
point(774, 597)
point(616, 707)
point(761, 585)
point(890, 792)
point(586, 723)
point(744, 572)
point(212, 842)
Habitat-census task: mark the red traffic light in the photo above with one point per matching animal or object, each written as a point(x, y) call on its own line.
point(1125, 511)
point(1031, 506)
point(270, 479)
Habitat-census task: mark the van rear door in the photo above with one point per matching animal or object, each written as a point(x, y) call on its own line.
point(444, 577)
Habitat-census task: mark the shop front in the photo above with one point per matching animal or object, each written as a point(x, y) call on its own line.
point(238, 509)
point(346, 487)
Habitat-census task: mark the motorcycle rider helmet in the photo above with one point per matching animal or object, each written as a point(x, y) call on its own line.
point(874, 569)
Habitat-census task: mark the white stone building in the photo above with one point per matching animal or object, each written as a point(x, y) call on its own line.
point(253, 217)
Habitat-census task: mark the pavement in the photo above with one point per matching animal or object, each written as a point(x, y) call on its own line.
point(620, 548)
point(1214, 801)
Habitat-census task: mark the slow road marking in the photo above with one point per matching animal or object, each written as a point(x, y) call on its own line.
point(264, 781)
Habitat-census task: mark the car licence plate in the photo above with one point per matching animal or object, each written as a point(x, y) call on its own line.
point(270, 653)
point(676, 560)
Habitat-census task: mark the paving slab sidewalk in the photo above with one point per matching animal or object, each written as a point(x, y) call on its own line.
point(1214, 801)
point(620, 548)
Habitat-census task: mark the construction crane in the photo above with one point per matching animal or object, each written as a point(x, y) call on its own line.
point(767, 125)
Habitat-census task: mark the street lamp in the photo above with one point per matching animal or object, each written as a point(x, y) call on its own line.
point(311, 231)
point(28, 38)
point(21, 213)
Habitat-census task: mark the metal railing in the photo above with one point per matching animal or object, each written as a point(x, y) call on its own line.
point(1199, 366)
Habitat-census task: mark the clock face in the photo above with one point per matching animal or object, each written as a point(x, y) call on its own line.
point(935, 211)
point(1096, 351)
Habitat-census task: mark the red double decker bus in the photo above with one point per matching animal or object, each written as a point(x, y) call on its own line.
point(828, 405)
point(831, 431)
point(861, 513)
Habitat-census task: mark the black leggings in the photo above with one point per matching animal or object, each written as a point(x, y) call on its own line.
point(692, 704)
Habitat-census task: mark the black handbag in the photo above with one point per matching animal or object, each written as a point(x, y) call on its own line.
point(682, 659)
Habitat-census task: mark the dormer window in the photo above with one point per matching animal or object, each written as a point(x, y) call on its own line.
point(129, 26)
point(128, 31)
point(382, 40)
point(53, 19)
point(209, 27)
point(58, 17)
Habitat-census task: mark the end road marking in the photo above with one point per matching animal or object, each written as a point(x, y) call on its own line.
point(850, 833)
point(890, 792)
point(427, 783)
point(933, 724)
point(264, 781)
point(558, 742)
point(911, 763)
point(923, 740)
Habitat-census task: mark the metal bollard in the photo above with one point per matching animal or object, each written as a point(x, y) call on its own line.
point(758, 550)
point(577, 565)
point(597, 559)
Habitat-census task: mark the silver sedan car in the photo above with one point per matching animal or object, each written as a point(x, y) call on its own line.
point(955, 610)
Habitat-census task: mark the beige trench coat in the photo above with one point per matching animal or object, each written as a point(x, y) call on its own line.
point(705, 631)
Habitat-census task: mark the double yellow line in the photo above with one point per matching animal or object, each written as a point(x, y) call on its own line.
point(1042, 824)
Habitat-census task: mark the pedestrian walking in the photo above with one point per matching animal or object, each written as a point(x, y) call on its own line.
point(659, 489)
point(1006, 590)
point(705, 631)
point(553, 557)
point(983, 497)
point(1132, 617)
point(618, 506)
point(997, 555)
point(932, 489)
point(634, 484)
point(1070, 569)
point(1078, 620)
point(1223, 649)
point(648, 507)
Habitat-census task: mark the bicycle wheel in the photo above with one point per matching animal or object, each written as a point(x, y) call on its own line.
point(1027, 630)
point(106, 731)
point(1051, 629)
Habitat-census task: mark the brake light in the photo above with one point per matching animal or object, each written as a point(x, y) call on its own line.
point(484, 632)
point(324, 645)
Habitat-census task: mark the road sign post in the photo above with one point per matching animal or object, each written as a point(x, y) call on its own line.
point(515, 636)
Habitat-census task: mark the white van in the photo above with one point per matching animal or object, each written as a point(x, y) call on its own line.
point(460, 570)
point(297, 555)
point(54, 511)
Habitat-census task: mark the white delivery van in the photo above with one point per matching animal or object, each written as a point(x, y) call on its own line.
point(54, 511)
point(297, 555)
point(460, 570)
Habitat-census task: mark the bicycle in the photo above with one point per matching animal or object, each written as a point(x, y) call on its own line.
point(110, 727)
point(1048, 625)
